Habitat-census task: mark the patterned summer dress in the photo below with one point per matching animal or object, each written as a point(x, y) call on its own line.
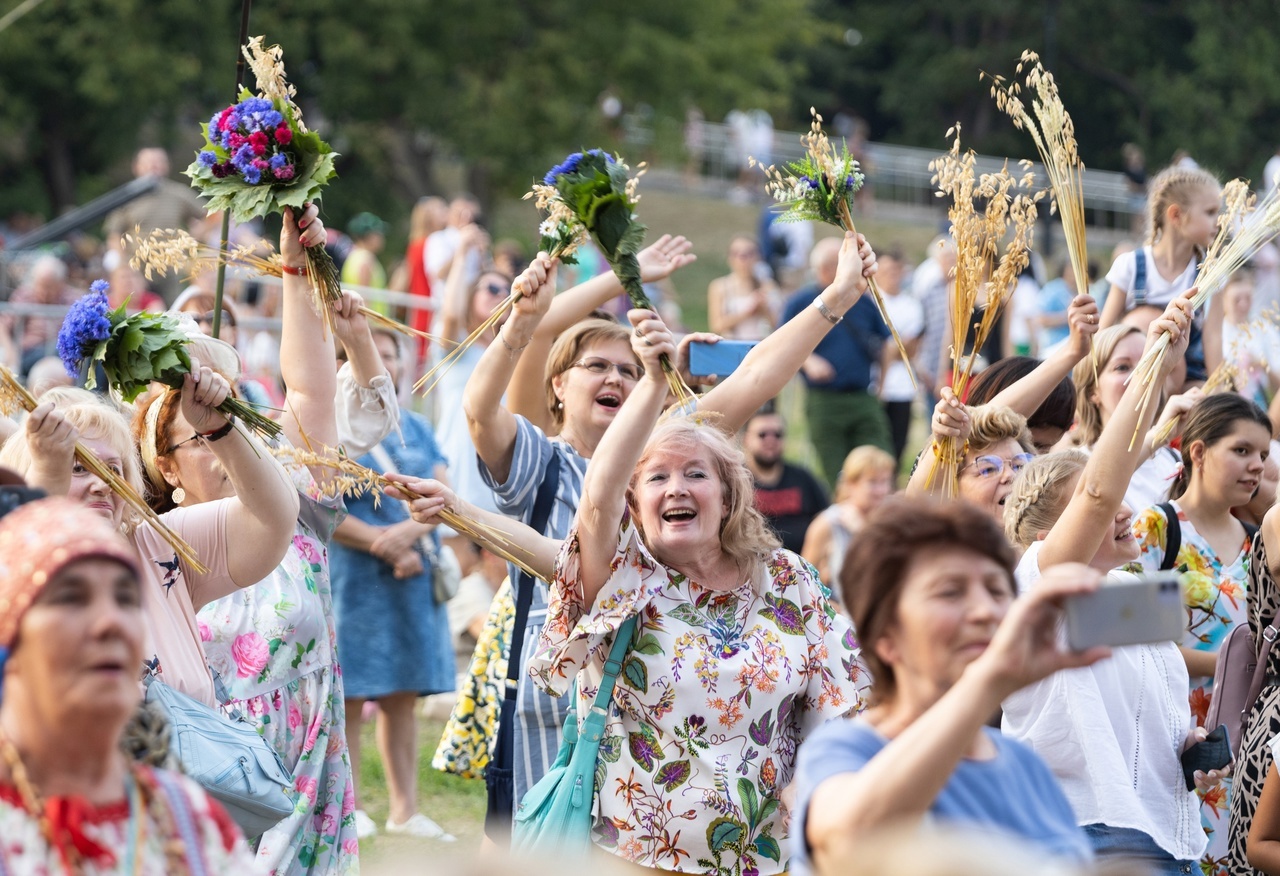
point(714, 698)
point(1215, 597)
point(274, 646)
point(1254, 759)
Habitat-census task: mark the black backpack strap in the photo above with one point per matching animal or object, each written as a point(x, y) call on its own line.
point(1139, 277)
point(525, 582)
point(1172, 535)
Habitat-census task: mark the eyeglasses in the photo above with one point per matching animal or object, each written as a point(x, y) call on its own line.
point(744, 253)
point(625, 370)
point(207, 318)
point(199, 439)
point(993, 466)
point(771, 433)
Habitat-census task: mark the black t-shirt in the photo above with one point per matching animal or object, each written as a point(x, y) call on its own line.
point(791, 504)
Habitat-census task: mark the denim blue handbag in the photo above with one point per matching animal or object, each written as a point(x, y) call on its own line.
point(227, 757)
point(555, 815)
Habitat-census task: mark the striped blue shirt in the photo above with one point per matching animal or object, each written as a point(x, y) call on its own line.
point(540, 718)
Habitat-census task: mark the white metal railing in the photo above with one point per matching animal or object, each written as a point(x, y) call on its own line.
point(901, 173)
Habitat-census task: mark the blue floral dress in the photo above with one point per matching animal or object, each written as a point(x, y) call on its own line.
point(275, 647)
point(715, 696)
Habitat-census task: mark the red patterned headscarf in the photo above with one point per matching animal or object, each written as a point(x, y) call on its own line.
point(37, 541)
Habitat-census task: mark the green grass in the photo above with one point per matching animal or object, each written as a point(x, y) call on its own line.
point(457, 804)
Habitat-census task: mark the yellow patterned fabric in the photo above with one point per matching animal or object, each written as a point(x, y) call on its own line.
point(469, 734)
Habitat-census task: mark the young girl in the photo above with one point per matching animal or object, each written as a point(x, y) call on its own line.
point(1182, 216)
point(1224, 445)
point(866, 480)
point(1100, 383)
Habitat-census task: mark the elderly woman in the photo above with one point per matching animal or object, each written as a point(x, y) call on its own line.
point(71, 640)
point(931, 591)
point(1112, 732)
point(738, 655)
point(590, 374)
point(257, 520)
point(996, 446)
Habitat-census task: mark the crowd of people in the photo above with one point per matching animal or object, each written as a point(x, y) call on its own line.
point(814, 655)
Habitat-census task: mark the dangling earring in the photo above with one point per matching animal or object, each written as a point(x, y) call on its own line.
point(179, 495)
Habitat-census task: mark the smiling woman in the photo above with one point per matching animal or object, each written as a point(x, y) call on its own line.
point(738, 652)
point(930, 587)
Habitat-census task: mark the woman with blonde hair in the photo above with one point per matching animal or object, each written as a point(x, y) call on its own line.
point(257, 520)
point(1112, 732)
point(1101, 381)
point(866, 480)
point(737, 653)
point(996, 446)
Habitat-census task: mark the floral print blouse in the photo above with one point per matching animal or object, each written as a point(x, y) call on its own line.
point(714, 697)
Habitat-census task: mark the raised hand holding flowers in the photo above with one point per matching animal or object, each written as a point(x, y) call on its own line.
point(135, 351)
point(594, 190)
point(259, 158)
point(821, 187)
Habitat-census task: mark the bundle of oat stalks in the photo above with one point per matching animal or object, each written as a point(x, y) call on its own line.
point(1054, 134)
point(992, 223)
point(174, 250)
point(14, 397)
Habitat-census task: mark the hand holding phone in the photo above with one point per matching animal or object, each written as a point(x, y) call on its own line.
point(1211, 753)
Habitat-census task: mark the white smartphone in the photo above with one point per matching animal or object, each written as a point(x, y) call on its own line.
point(1137, 611)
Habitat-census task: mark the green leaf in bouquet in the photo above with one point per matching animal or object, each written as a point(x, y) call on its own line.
point(171, 360)
point(133, 339)
point(250, 202)
point(609, 219)
point(633, 239)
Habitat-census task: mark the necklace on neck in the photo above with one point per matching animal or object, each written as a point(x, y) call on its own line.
point(36, 808)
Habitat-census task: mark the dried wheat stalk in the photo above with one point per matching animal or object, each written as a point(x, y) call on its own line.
point(14, 397)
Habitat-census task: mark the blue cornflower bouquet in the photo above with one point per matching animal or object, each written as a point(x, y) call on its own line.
point(594, 191)
point(135, 351)
point(821, 187)
point(259, 158)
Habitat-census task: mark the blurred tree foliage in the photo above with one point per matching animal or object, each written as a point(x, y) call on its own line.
point(509, 87)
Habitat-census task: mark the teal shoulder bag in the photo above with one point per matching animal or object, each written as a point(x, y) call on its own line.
point(555, 815)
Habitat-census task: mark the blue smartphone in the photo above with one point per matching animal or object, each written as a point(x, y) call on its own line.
point(719, 358)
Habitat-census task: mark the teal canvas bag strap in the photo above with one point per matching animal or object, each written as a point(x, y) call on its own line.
point(555, 815)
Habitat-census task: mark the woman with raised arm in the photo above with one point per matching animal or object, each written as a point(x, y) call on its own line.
point(737, 655)
point(274, 645)
point(995, 447)
point(590, 373)
point(240, 539)
point(1101, 381)
point(1113, 733)
point(931, 590)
